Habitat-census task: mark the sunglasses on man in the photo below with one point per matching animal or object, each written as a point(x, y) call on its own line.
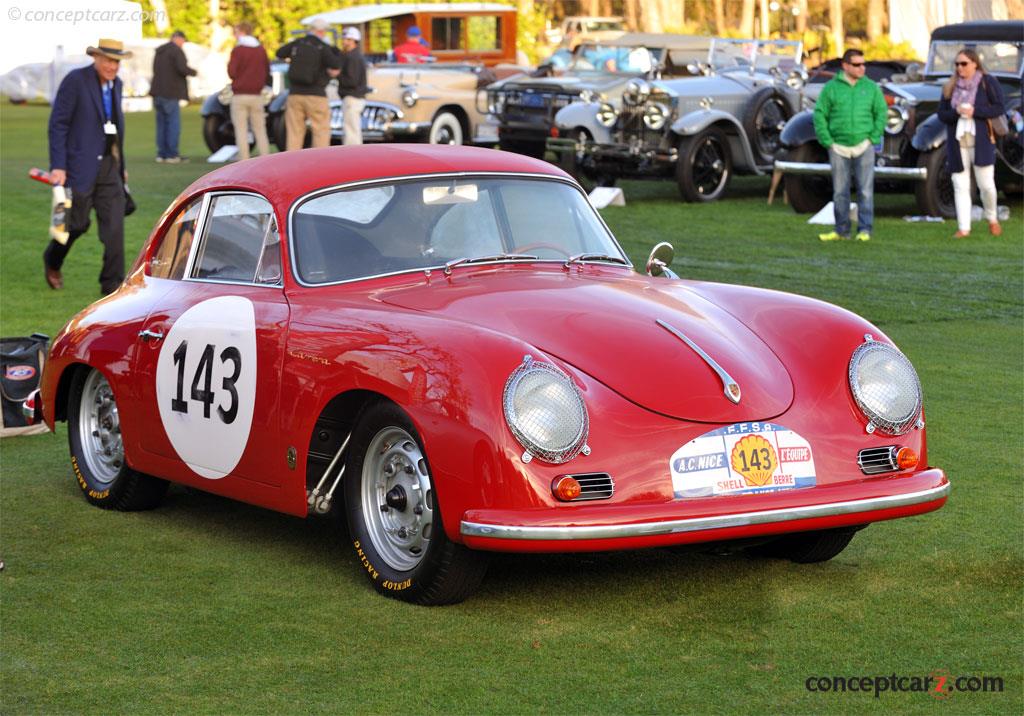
point(856, 64)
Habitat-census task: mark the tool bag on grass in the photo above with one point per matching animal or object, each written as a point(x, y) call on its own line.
point(21, 365)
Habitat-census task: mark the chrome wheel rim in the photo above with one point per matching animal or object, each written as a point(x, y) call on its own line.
point(397, 499)
point(99, 426)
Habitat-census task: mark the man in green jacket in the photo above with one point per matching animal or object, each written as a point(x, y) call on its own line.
point(849, 118)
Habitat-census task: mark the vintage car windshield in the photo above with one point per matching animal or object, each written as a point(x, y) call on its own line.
point(1002, 58)
point(626, 60)
point(425, 223)
point(761, 55)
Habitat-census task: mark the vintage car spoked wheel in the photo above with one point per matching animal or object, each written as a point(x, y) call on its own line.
point(807, 547)
point(808, 193)
point(393, 515)
point(445, 129)
point(935, 194)
point(768, 119)
point(704, 167)
point(97, 449)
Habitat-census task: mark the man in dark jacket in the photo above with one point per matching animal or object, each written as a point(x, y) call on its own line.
point(312, 62)
point(86, 136)
point(170, 70)
point(352, 85)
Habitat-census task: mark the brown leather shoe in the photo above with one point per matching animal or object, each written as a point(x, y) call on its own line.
point(994, 228)
point(961, 234)
point(54, 278)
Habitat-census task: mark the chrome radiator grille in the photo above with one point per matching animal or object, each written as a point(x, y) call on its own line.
point(631, 128)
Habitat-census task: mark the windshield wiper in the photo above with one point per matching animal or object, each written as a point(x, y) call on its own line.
point(580, 258)
point(482, 259)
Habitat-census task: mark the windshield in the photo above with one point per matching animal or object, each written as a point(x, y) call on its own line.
point(997, 57)
point(426, 223)
point(762, 55)
point(629, 60)
point(601, 25)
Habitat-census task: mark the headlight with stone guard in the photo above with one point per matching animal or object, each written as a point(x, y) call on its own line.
point(545, 412)
point(885, 387)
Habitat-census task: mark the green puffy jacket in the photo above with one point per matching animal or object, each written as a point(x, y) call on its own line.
point(848, 114)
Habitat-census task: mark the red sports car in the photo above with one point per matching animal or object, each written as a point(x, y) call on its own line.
point(447, 348)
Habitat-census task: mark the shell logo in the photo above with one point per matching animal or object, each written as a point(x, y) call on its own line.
point(753, 457)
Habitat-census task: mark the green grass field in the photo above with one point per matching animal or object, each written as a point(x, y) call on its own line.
point(210, 606)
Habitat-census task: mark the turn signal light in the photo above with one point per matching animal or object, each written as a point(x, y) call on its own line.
point(565, 488)
point(906, 459)
point(554, 132)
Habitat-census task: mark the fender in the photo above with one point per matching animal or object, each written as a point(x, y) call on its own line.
point(694, 122)
point(799, 130)
point(583, 114)
point(212, 105)
point(930, 134)
point(276, 105)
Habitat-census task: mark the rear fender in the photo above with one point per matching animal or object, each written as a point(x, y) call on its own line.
point(212, 106)
point(276, 105)
point(696, 122)
point(799, 130)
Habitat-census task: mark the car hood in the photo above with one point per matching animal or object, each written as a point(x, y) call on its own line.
point(922, 92)
point(607, 328)
point(569, 83)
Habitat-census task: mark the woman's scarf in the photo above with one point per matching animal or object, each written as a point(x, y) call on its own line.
point(965, 91)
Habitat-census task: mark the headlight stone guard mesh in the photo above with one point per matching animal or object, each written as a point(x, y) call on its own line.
point(570, 448)
point(903, 378)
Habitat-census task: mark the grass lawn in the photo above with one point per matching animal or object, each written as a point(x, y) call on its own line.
point(210, 606)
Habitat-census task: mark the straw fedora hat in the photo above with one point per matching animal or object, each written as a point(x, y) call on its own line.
point(114, 49)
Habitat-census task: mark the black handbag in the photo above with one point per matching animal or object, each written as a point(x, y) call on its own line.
point(21, 366)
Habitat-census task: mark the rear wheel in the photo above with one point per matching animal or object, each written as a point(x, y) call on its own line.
point(216, 132)
point(807, 547)
point(445, 129)
point(808, 193)
point(935, 194)
point(704, 167)
point(763, 123)
point(394, 519)
point(97, 450)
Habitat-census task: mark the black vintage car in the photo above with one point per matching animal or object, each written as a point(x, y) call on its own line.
point(913, 152)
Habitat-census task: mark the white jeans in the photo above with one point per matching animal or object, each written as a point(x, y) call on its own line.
point(986, 178)
point(352, 113)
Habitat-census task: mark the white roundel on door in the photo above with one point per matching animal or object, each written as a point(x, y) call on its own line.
point(206, 384)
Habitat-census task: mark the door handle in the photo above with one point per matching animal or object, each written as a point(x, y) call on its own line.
point(148, 335)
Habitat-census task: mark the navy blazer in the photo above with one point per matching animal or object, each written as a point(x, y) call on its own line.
point(77, 141)
point(988, 103)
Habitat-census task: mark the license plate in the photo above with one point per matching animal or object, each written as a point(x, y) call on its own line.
point(741, 459)
point(534, 100)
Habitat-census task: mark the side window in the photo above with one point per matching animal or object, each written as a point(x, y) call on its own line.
point(240, 242)
point(446, 33)
point(484, 32)
point(171, 256)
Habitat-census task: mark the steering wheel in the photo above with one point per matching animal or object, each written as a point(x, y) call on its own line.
point(541, 245)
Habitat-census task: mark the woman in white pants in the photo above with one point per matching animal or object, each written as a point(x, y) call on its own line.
point(969, 99)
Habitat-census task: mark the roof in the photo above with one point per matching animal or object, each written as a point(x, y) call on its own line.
point(660, 39)
point(367, 13)
point(998, 30)
point(285, 176)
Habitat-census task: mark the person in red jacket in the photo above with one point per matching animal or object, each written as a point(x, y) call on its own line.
point(249, 70)
point(412, 50)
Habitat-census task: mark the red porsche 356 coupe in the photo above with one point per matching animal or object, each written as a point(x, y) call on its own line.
point(447, 348)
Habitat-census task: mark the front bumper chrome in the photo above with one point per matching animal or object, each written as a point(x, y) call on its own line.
point(570, 533)
point(883, 172)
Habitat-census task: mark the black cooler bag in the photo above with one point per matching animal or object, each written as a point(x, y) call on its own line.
point(21, 366)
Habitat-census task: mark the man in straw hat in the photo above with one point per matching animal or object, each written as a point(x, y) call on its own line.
point(86, 155)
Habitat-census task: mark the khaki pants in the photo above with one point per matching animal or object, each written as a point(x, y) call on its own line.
point(247, 113)
point(300, 107)
point(352, 111)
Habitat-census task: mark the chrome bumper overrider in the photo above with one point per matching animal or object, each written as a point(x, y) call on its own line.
point(884, 172)
point(743, 519)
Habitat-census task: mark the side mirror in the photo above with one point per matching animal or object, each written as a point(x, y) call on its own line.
point(660, 259)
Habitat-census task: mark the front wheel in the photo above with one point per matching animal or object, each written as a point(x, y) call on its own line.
point(572, 164)
point(97, 450)
point(394, 519)
point(445, 129)
point(935, 194)
point(807, 547)
point(704, 167)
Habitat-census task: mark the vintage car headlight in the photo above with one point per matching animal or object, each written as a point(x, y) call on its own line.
point(656, 115)
point(636, 92)
point(606, 115)
point(225, 95)
point(495, 102)
point(896, 119)
point(796, 80)
point(587, 96)
point(545, 411)
point(885, 387)
point(410, 98)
